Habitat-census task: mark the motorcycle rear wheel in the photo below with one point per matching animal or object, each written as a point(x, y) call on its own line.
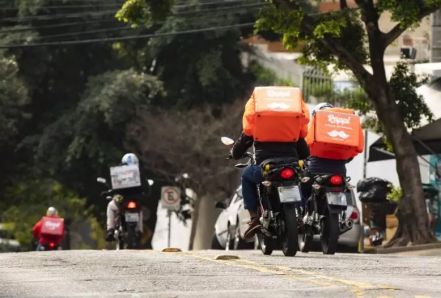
point(132, 238)
point(290, 239)
point(329, 233)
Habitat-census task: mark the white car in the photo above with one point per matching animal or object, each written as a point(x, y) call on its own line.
point(233, 222)
point(7, 240)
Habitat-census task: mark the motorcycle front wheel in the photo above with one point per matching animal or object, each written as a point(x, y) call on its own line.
point(290, 242)
point(266, 244)
point(329, 233)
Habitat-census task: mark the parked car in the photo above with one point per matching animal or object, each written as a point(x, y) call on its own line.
point(233, 221)
point(7, 241)
point(351, 238)
point(231, 224)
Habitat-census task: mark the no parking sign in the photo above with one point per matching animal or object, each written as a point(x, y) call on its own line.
point(170, 197)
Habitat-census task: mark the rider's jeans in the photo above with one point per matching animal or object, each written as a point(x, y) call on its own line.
point(251, 177)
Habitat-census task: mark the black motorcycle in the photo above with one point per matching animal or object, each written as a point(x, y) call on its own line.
point(127, 234)
point(279, 198)
point(324, 213)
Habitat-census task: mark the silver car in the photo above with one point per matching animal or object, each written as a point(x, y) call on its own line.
point(231, 224)
point(7, 240)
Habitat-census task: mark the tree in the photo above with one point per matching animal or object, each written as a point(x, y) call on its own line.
point(189, 142)
point(199, 68)
point(14, 98)
point(350, 38)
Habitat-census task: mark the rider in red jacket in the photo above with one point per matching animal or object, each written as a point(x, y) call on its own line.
point(49, 230)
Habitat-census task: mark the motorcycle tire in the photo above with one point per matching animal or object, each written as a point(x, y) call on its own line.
point(266, 244)
point(329, 233)
point(290, 238)
point(132, 238)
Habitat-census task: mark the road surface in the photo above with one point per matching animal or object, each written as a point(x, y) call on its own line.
point(147, 273)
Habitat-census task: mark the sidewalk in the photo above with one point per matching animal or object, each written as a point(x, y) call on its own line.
point(432, 249)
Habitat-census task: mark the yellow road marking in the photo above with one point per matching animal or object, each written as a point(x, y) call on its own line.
point(356, 287)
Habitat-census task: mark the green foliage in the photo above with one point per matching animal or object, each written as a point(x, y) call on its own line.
point(13, 98)
point(111, 101)
point(407, 12)
point(31, 198)
point(143, 12)
point(411, 105)
point(395, 194)
point(342, 26)
point(266, 77)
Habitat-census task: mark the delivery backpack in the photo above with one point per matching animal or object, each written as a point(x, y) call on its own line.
point(52, 226)
point(275, 114)
point(335, 133)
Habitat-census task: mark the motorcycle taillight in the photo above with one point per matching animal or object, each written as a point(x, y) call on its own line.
point(131, 205)
point(287, 173)
point(336, 180)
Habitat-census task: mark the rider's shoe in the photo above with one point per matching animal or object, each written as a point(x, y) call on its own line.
point(253, 227)
point(110, 235)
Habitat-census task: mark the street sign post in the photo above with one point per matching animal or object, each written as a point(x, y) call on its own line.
point(170, 200)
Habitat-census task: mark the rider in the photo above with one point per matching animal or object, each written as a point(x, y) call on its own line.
point(316, 163)
point(43, 238)
point(252, 174)
point(114, 206)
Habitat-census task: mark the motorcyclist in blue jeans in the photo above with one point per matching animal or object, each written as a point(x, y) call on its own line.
point(252, 174)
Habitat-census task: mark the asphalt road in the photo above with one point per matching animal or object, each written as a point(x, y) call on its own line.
point(198, 274)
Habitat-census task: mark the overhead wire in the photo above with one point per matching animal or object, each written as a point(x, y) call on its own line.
point(203, 11)
point(237, 9)
point(130, 37)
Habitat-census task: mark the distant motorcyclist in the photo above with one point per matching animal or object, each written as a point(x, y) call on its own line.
point(273, 134)
point(118, 195)
point(49, 230)
point(330, 158)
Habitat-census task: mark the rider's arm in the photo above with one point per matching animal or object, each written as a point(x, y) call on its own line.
point(241, 145)
point(302, 149)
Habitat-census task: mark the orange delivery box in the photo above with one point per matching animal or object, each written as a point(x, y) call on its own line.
point(335, 133)
point(276, 114)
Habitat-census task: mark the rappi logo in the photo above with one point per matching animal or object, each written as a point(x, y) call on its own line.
point(51, 225)
point(339, 120)
point(278, 93)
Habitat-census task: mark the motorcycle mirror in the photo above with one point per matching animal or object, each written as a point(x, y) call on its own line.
point(227, 141)
point(150, 182)
point(101, 180)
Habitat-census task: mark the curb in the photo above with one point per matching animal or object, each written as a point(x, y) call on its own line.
point(382, 250)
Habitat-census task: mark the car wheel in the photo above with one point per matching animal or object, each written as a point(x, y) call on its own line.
point(215, 243)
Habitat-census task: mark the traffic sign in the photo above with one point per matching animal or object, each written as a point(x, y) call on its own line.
point(170, 197)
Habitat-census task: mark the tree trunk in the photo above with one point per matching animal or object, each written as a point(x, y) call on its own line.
point(194, 222)
point(412, 216)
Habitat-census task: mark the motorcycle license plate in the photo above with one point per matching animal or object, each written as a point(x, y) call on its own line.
point(336, 198)
point(288, 194)
point(131, 217)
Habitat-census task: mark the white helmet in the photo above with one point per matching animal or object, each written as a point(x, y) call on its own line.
point(129, 159)
point(51, 211)
point(321, 106)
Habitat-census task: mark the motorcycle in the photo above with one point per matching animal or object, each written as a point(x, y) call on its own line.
point(126, 234)
point(279, 200)
point(324, 213)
